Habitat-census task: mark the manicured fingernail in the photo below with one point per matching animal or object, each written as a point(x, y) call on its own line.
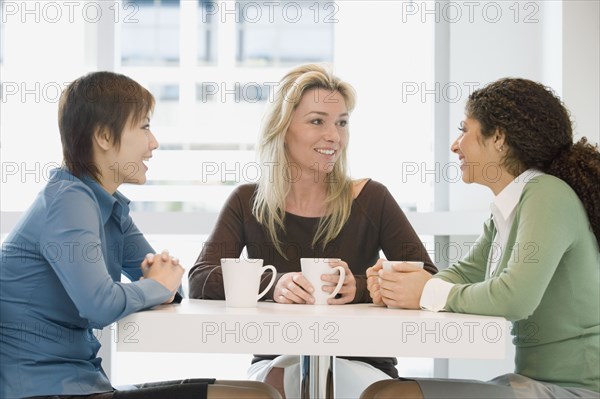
point(149, 256)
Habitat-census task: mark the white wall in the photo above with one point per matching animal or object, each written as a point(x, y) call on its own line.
point(581, 65)
point(490, 48)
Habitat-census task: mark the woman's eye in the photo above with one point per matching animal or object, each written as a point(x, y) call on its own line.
point(343, 123)
point(146, 127)
point(317, 121)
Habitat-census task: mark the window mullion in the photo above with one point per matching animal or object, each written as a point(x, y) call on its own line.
point(227, 35)
point(106, 43)
point(188, 71)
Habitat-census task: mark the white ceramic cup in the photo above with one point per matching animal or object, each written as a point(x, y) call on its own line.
point(387, 264)
point(313, 268)
point(241, 278)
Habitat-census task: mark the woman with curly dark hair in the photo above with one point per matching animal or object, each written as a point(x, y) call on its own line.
point(537, 262)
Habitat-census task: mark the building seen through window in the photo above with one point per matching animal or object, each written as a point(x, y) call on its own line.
point(293, 32)
point(151, 35)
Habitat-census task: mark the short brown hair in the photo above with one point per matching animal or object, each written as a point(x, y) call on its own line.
point(99, 100)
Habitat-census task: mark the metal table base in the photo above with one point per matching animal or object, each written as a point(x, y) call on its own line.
point(317, 374)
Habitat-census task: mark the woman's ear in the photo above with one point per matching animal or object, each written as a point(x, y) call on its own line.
point(103, 139)
point(499, 140)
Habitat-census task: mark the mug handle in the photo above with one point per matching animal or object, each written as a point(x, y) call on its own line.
point(273, 276)
point(340, 282)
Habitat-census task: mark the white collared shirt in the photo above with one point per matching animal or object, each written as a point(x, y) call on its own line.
point(436, 291)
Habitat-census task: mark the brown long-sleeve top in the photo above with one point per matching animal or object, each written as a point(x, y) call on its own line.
point(376, 223)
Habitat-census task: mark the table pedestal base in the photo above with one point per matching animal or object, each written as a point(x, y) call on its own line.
point(317, 377)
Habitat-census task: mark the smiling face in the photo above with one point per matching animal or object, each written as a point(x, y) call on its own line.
point(137, 144)
point(318, 131)
point(478, 156)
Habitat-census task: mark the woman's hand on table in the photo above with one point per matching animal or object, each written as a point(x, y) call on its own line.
point(373, 282)
point(348, 290)
point(293, 288)
point(165, 269)
point(402, 287)
point(149, 260)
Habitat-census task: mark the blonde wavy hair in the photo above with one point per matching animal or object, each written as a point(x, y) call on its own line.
point(274, 185)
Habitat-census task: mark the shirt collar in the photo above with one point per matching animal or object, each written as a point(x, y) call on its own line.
point(506, 201)
point(116, 204)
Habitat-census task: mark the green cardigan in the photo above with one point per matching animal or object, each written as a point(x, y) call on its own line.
point(547, 282)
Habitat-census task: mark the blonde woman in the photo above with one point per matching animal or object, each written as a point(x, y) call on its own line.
point(306, 206)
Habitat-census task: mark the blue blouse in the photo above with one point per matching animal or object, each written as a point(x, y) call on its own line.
point(59, 279)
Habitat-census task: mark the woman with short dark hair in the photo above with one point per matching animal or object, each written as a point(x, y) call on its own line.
point(62, 263)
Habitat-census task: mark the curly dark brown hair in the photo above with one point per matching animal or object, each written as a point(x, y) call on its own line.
point(539, 134)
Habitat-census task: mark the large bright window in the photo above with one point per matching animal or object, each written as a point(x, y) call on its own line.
point(208, 113)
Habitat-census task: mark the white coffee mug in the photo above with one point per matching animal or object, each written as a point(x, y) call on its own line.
point(387, 264)
point(241, 278)
point(313, 268)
